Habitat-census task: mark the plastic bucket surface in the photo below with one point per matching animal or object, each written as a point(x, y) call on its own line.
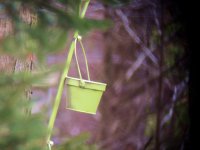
point(84, 97)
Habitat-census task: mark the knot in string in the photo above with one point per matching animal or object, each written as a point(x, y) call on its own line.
point(79, 37)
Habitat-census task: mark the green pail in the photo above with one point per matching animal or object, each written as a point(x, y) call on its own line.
point(83, 95)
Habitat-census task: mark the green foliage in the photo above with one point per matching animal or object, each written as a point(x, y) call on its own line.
point(77, 143)
point(38, 40)
point(178, 128)
point(175, 49)
point(116, 3)
point(17, 131)
point(174, 53)
point(150, 125)
point(49, 32)
point(155, 37)
point(74, 5)
point(182, 117)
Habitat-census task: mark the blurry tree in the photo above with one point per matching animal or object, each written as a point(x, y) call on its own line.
point(146, 60)
point(77, 143)
point(28, 28)
point(146, 66)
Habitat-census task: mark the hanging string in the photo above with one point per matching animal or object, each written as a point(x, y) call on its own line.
point(79, 38)
point(87, 69)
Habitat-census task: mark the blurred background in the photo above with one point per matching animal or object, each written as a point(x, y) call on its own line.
point(143, 56)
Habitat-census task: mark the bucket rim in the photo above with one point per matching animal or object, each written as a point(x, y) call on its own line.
point(88, 81)
point(71, 81)
point(81, 111)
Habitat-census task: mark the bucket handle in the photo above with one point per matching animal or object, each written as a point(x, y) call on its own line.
point(79, 38)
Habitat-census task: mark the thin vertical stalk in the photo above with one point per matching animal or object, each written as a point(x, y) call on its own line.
point(62, 79)
point(160, 80)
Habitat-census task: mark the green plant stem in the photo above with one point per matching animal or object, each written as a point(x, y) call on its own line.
point(62, 79)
